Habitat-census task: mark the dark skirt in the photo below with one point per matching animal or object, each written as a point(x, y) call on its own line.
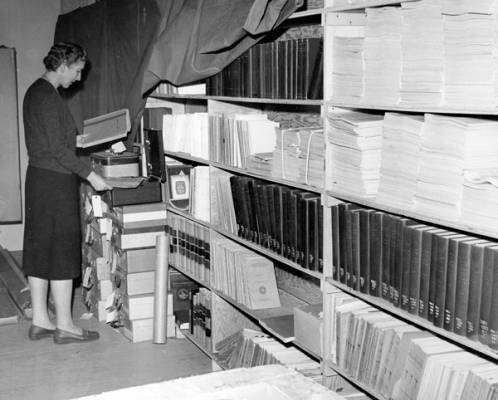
point(52, 236)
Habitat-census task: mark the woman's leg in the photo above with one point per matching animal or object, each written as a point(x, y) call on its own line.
point(39, 292)
point(62, 293)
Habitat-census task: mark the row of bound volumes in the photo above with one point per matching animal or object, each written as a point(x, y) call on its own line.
point(448, 278)
point(189, 247)
point(285, 69)
point(402, 362)
point(200, 317)
point(282, 219)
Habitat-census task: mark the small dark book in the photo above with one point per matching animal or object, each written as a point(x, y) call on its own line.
point(490, 267)
point(336, 255)
point(475, 288)
point(376, 236)
point(364, 250)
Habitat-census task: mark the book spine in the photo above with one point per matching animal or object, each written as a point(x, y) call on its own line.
point(490, 266)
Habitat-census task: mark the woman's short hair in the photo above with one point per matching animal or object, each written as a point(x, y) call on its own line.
point(64, 53)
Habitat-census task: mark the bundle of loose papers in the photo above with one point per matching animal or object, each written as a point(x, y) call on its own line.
point(401, 135)
point(187, 133)
point(382, 55)
point(480, 199)
point(235, 138)
point(243, 275)
point(422, 53)
point(299, 155)
point(199, 192)
point(355, 140)
point(450, 146)
point(348, 69)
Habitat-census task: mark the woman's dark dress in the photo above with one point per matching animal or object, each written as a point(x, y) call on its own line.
point(52, 245)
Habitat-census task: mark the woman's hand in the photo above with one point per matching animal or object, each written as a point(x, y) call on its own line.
point(97, 182)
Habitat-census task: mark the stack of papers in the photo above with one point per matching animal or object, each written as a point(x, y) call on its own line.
point(348, 69)
point(382, 55)
point(187, 133)
point(470, 60)
point(355, 140)
point(401, 136)
point(480, 199)
point(199, 182)
point(422, 53)
point(299, 155)
point(451, 146)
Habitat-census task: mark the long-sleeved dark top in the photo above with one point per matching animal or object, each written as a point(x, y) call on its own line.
point(50, 131)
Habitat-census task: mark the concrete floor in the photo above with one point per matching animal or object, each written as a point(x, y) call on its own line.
point(43, 370)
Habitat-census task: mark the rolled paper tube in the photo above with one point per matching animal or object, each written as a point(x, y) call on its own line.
point(161, 290)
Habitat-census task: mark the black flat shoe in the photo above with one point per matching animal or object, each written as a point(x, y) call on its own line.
point(64, 337)
point(37, 332)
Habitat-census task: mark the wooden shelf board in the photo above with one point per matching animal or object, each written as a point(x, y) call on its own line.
point(306, 13)
point(367, 3)
point(281, 181)
point(421, 322)
point(372, 203)
point(194, 341)
point(187, 97)
point(307, 350)
point(415, 109)
point(353, 380)
point(188, 216)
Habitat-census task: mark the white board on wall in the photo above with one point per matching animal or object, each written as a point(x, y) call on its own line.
point(10, 171)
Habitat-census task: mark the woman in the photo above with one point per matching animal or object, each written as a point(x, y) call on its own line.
point(51, 255)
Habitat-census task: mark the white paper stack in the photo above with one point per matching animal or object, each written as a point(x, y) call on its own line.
point(355, 139)
point(451, 146)
point(187, 133)
point(422, 68)
point(401, 136)
point(480, 199)
point(348, 69)
point(382, 54)
point(470, 59)
point(299, 155)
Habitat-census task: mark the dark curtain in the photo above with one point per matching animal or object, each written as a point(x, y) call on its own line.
point(200, 37)
point(135, 44)
point(119, 37)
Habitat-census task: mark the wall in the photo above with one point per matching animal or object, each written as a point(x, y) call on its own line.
point(28, 26)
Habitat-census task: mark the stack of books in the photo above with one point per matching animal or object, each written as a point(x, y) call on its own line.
point(131, 302)
point(200, 317)
point(355, 139)
point(422, 54)
point(382, 55)
point(348, 69)
point(243, 275)
point(450, 146)
point(401, 137)
point(299, 155)
point(187, 133)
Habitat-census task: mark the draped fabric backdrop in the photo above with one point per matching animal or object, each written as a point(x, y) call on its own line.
point(135, 44)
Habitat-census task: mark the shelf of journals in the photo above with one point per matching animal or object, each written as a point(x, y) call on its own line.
point(239, 171)
point(185, 97)
point(332, 195)
point(246, 243)
point(471, 112)
point(263, 317)
point(414, 319)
